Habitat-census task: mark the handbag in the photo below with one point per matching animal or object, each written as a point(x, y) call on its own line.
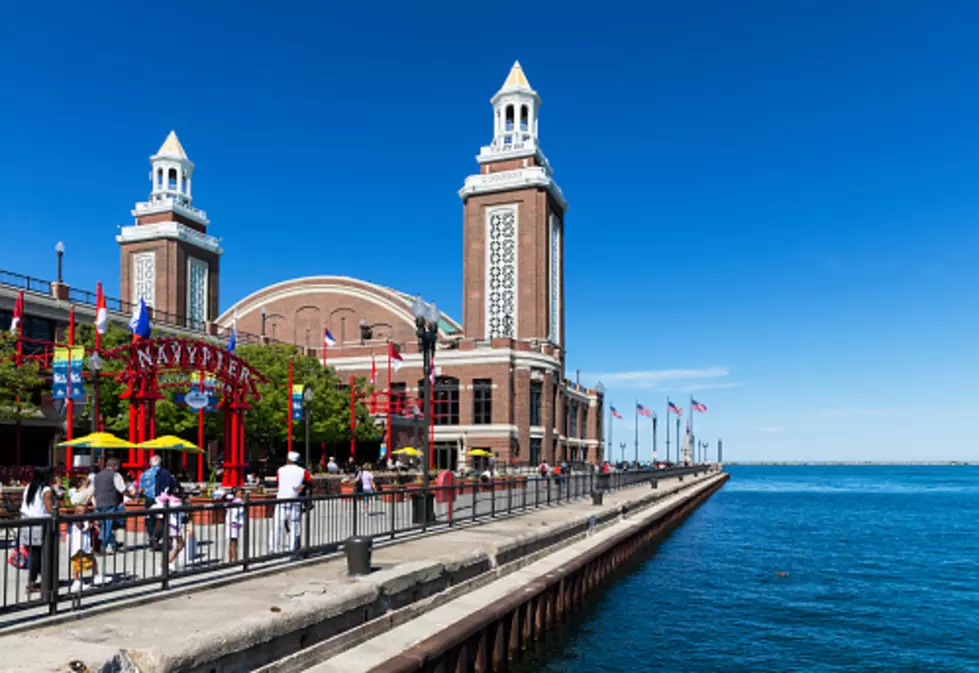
point(18, 557)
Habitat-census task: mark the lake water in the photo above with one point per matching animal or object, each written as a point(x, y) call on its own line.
point(882, 576)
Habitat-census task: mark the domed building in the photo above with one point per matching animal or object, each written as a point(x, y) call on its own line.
point(499, 373)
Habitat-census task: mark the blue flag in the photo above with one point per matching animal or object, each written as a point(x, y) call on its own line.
point(139, 324)
point(233, 341)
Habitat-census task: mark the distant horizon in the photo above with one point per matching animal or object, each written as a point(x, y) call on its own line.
point(869, 463)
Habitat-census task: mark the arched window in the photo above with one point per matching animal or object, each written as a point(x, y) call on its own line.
point(523, 118)
point(172, 179)
point(159, 178)
point(509, 117)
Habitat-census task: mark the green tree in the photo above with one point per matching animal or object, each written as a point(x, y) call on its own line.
point(20, 386)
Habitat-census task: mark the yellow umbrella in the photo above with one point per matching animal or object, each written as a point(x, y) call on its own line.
point(99, 440)
point(480, 453)
point(408, 451)
point(169, 443)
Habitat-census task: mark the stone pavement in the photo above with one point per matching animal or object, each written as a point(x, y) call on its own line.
point(263, 618)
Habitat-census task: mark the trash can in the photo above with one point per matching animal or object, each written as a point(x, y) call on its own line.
point(654, 483)
point(422, 508)
point(596, 497)
point(358, 550)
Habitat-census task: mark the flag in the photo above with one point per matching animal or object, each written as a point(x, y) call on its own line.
point(697, 406)
point(101, 312)
point(395, 357)
point(373, 371)
point(615, 413)
point(18, 314)
point(233, 341)
point(675, 409)
point(328, 339)
point(139, 324)
point(643, 410)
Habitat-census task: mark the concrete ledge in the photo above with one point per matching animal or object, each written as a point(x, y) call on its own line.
point(260, 620)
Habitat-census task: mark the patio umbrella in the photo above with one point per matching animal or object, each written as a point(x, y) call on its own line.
point(480, 453)
point(170, 443)
point(98, 440)
point(408, 451)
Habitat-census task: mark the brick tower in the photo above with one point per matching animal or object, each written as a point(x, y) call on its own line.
point(513, 228)
point(168, 258)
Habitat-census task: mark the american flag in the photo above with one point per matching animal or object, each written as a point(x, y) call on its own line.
point(643, 410)
point(615, 413)
point(697, 406)
point(672, 407)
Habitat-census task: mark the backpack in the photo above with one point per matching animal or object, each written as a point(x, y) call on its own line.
point(18, 557)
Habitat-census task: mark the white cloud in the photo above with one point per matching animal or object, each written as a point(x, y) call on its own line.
point(683, 380)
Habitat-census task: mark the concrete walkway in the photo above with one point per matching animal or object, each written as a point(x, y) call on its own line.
point(253, 619)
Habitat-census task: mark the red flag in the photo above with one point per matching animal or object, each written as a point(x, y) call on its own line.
point(16, 323)
point(101, 312)
point(395, 357)
point(373, 371)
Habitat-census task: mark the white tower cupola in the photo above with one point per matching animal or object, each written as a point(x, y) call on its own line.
point(515, 110)
point(172, 171)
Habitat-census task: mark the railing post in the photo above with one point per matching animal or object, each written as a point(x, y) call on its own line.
point(493, 499)
point(510, 485)
point(475, 496)
point(536, 493)
point(245, 534)
point(307, 531)
point(424, 505)
point(548, 486)
point(394, 506)
point(166, 546)
point(49, 562)
point(353, 500)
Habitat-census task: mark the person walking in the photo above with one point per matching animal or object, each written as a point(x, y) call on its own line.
point(109, 490)
point(367, 487)
point(38, 503)
point(288, 515)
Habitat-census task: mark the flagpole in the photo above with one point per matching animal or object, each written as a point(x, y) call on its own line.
point(70, 406)
point(691, 430)
point(667, 429)
point(289, 420)
point(637, 431)
point(611, 422)
point(389, 447)
point(678, 459)
point(653, 433)
point(19, 357)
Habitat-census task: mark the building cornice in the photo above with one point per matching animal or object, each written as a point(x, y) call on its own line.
point(168, 206)
point(520, 178)
point(481, 356)
point(170, 230)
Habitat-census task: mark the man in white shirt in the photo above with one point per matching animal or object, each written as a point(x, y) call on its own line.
point(292, 483)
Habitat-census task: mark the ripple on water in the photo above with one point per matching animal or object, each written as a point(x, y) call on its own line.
point(881, 565)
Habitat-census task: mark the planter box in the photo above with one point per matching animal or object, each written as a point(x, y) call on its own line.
point(466, 486)
point(257, 510)
point(347, 488)
point(392, 496)
point(137, 524)
point(212, 516)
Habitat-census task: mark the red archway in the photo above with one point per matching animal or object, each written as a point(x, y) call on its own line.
point(152, 365)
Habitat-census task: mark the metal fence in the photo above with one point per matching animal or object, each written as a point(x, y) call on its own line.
point(227, 537)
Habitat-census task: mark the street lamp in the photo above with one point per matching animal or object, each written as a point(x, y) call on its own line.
point(60, 249)
point(426, 323)
point(94, 364)
point(265, 315)
point(622, 450)
point(308, 399)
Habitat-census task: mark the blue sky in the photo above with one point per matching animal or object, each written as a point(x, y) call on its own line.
point(772, 205)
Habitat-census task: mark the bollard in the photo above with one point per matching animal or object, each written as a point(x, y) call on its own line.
point(654, 483)
point(596, 497)
point(358, 550)
point(592, 525)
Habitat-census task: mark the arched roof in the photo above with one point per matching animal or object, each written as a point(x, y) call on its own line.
point(386, 300)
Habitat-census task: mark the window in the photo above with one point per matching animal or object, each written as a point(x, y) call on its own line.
point(482, 401)
point(398, 395)
point(523, 118)
point(536, 392)
point(584, 422)
point(445, 400)
point(535, 443)
point(573, 421)
point(172, 179)
point(509, 118)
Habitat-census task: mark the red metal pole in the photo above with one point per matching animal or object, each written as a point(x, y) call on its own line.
point(389, 448)
point(240, 472)
point(19, 358)
point(96, 402)
point(353, 419)
point(200, 434)
point(230, 468)
point(132, 425)
point(289, 417)
point(70, 406)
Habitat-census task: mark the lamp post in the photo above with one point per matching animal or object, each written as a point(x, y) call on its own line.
point(308, 399)
point(265, 315)
point(60, 249)
point(622, 450)
point(94, 367)
point(426, 323)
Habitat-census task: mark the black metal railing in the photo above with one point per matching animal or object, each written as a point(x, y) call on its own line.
point(160, 545)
